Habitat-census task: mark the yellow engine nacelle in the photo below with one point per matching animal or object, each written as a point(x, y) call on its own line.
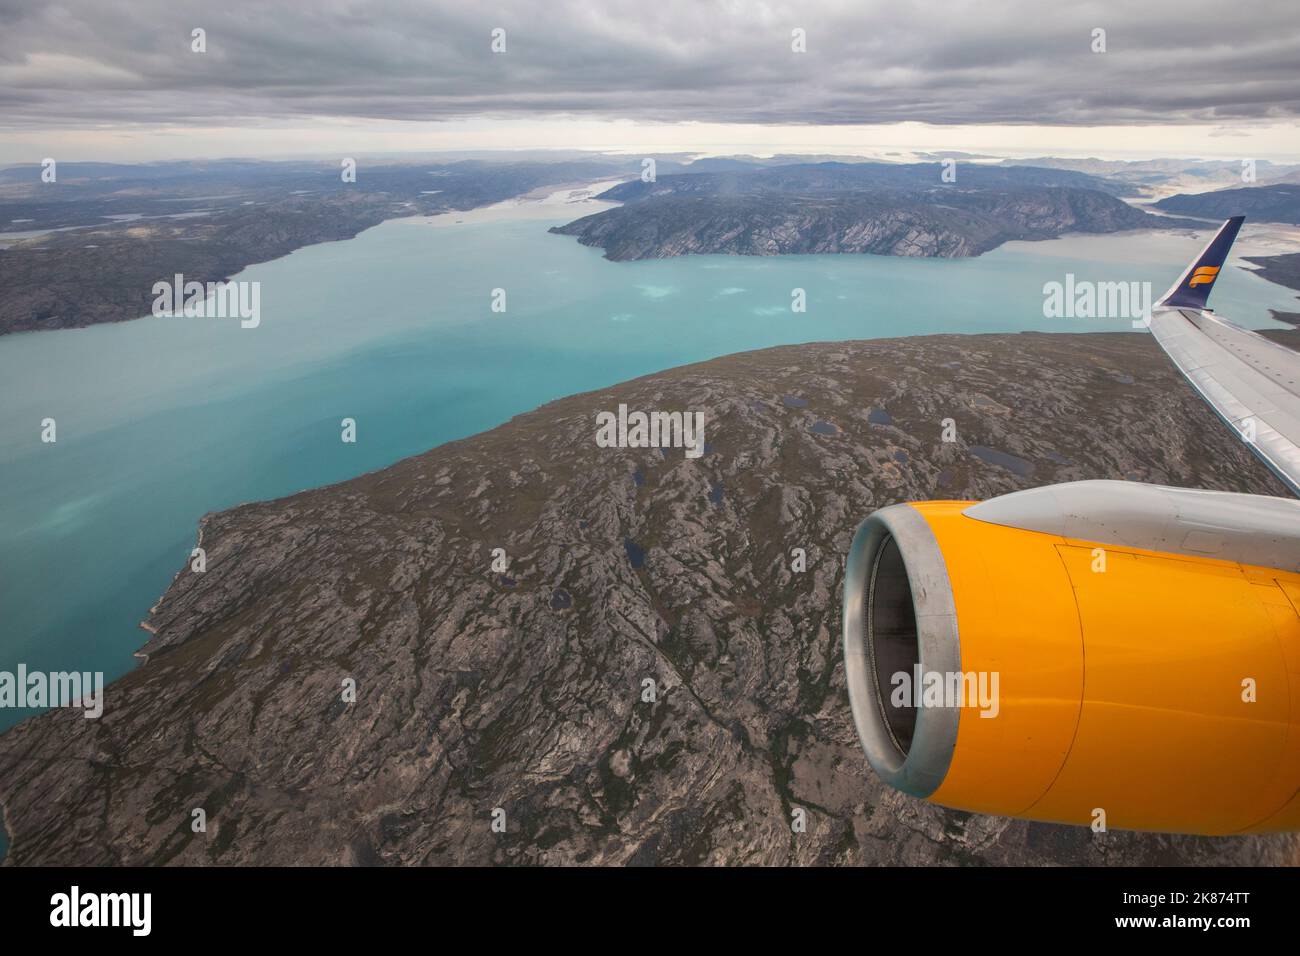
point(1023, 657)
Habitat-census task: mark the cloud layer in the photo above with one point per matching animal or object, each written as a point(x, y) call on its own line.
point(91, 62)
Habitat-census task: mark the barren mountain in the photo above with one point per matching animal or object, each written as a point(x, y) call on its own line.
point(944, 222)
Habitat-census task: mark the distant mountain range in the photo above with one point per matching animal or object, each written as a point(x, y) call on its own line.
point(823, 179)
point(885, 209)
point(1205, 174)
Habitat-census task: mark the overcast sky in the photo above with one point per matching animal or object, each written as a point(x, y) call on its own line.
point(117, 78)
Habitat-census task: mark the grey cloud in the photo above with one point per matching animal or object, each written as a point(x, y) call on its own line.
point(1016, 61)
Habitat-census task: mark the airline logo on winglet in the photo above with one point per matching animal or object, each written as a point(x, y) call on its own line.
point(1204, 275)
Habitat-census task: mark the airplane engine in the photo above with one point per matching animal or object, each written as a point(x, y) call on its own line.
point(1098, 647)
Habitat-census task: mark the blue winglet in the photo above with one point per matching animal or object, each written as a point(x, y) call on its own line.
point(1192, 290)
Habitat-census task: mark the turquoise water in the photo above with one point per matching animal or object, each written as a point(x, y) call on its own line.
point(162, 420)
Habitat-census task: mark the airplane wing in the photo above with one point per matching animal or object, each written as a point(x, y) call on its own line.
point(1252, 382)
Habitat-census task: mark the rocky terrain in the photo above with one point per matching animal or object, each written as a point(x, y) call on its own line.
point(524, 689)
point(938, 221)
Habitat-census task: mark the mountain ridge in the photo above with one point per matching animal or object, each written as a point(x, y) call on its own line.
point(942, 222)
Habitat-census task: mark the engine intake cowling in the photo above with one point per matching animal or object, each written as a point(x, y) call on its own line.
point(1035, 656)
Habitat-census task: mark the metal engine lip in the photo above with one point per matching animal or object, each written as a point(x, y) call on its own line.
point(922, 770)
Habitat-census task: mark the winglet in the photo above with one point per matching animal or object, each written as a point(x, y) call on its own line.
point(1192, 290)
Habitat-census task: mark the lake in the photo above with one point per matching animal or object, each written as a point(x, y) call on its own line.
point(161, 420)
